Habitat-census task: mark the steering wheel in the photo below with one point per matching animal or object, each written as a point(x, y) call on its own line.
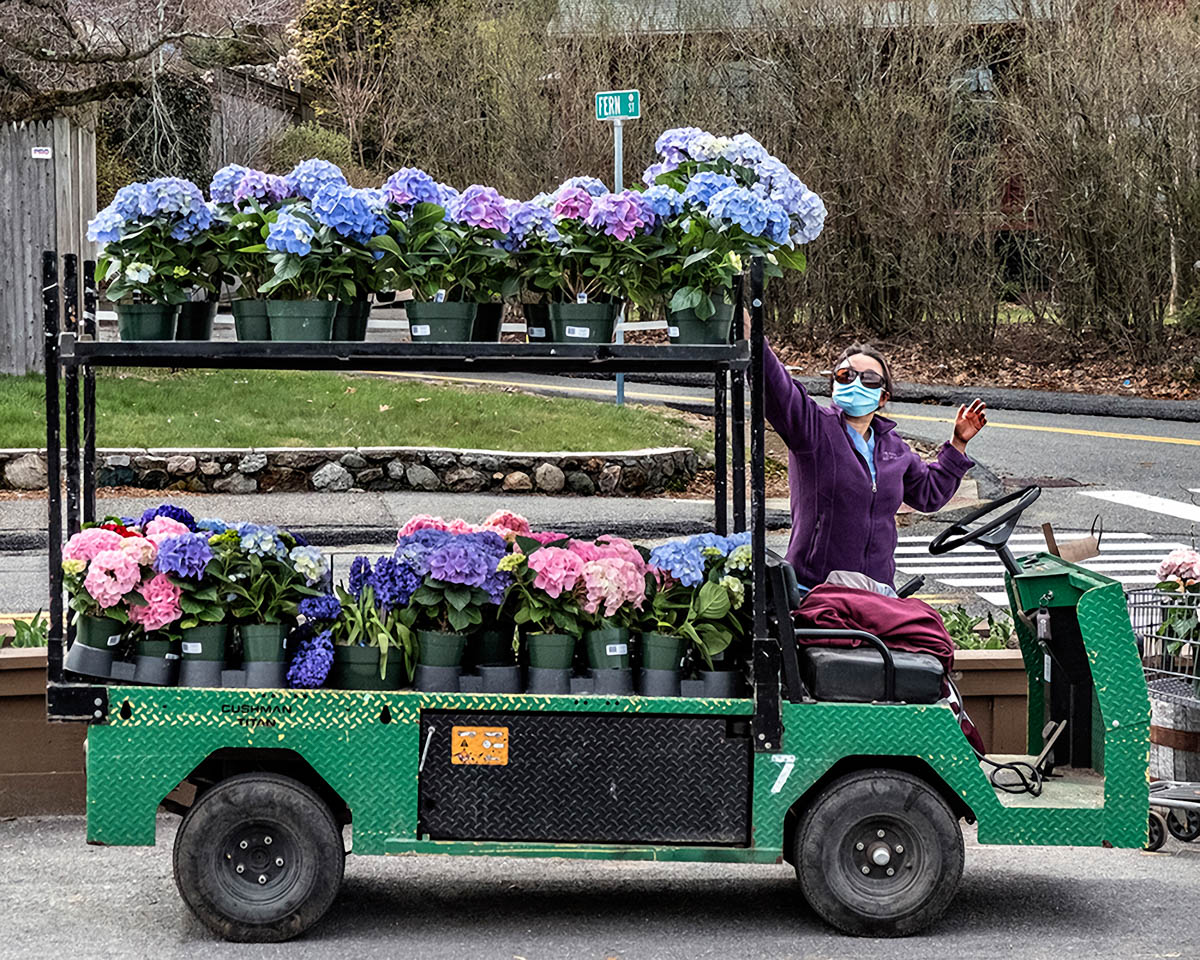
point(994, 533)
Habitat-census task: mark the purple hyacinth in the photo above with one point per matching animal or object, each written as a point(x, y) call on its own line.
point(350, 213)
point(185, 556)
point(257, 185)
point(460, 562)
point(483, 207)
point(621, 215)
point(313, 660)
point(309, 176)
point(325, 607)
point(225, 181)
point(706, 185)
point(393, 583)
point(171, 511)
point(360, 573)
point(409, 186)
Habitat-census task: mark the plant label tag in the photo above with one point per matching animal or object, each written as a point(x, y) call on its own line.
point(580, 333)
point(419, 330)
point(672, 331)
point(189, 647)
point(479, 746)
point(1046, 667)
point(171, 656)
point(581, 297)
point(439, 297)
point(537, 333)
point(41, 153)
point(616, 649)
point(113, 640)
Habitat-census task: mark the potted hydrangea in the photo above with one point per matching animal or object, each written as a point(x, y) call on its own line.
point(100, 577)
point(611, 591)
point(544, 606)
point(533, 243)
point(146, 260)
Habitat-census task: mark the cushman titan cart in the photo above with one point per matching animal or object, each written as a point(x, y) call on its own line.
point(862, 791)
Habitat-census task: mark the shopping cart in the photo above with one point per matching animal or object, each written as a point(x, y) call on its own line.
point(1167, 627)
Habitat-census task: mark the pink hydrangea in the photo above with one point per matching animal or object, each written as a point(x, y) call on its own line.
point(573, 203)
point(610, 546)
point(162, 603)
point(141, 549)
point(1180, 564)
point(111, 575)
point(422, 521)
point(165, 525)
point(557, 570)
point(87, 543)
point(459, 525)
point(546, 536)
point(504, 521)
point(612, 583)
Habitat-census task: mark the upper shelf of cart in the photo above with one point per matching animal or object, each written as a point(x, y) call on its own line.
point(343, 355)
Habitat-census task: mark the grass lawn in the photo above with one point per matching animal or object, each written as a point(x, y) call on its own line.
point(217, 408)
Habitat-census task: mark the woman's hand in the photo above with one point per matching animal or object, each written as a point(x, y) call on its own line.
point(970, 420)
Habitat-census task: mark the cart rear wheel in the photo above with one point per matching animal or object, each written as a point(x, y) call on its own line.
point(879, 853)
point(1157, 835)
point(259, 858)
point(1183, 825)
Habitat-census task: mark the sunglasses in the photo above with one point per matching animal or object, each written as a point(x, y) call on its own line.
point(847, 375)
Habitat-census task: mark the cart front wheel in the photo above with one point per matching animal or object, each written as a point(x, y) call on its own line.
point(259, 858)
point(1157, 835)
point(1184, 825)
point(879, 854)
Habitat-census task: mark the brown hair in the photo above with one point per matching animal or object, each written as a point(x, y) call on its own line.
point(868, 351)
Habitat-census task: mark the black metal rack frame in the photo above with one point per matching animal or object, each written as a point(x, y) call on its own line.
point(73, 350)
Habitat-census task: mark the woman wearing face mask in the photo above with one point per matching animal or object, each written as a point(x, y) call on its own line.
point(848, 471)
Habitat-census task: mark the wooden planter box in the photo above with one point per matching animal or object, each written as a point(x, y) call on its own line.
point(41, 763)
point(995, 691)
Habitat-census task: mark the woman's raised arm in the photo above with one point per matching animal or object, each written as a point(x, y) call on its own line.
point(788, 407)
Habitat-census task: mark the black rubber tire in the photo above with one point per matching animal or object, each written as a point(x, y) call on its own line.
point(278, 819)
point(927, 865)
point(1156, 832)
point(1184, 825)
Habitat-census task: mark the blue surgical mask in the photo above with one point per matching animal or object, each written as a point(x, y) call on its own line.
point(856, 399)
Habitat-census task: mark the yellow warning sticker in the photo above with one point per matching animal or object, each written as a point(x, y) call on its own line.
point(487, 746)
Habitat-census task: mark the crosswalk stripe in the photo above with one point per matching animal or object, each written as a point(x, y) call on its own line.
point(999, 581)
point(1106, 546)
point(1060, 534)
point(989, 567)
point(1145, 501)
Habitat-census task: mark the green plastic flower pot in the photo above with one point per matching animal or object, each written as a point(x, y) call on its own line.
point(304, 320)
point(582, 322)
point(449, 322)
point(537, 322)
point(684, 327)
point(660, 652)
point(205, 642)
point(196, 320)
point(263, 642)
point(487, 323)
point(147, 321)
point(100, 633)
point(437, 649)
point(350, 320)
point(357, 668)
point(607, 648)
point(550, 651)
point(250, 319)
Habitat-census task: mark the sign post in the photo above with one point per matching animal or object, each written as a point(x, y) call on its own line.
point(617, 106)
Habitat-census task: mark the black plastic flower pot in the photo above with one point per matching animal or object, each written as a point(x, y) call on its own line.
point(537, 322)
point(582, 322)
point(487, 323)
point(437, 649)
point(719, 683)
point(196, 320)
point(250, 321)
point(357, 668)
point(156, 662)
point(350, 320)
point(306, 321)
point(547, 680)
point(490, 648)
point(607, 648)
point(147, 321)
point(684, 327)
point(500, 679)
point(450, 322)
point(95, 640)
point(264, 653)
point(618, 682)
point(203, 654)
point(660, 652)
point(551, 651)
point(658, 683)
point(437, 679)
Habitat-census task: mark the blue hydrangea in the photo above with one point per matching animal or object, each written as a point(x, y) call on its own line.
point(313, 661)
point(107, 227)
point(324, 607)
point(186, 555)
point(592, 185)
point(735, 540)
point(673, 144)
point(741, 207)
point(225, 181)
point(656, 170)
point(168, 510)
point(447, 198)
point(290, 234)
point(715, 540)
point(179, 201)
point(705, 185)
point(809, 218)
point(211, 525)
point(128, 201)
point(261, 541)
point(409, 186)
point(309, 176)
point(779, 224)
point(526, 220)
point(682, 559)
point(354, 214)
point(744, 150)
point(663, 200)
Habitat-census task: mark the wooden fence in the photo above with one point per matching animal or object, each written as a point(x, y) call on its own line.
point(47, 196)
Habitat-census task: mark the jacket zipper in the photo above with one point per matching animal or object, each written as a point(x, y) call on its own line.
point(870, 517)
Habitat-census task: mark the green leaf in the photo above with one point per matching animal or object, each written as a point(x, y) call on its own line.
point(698, 256)
point(712, 602)
point(791, 258)
point(458, 597)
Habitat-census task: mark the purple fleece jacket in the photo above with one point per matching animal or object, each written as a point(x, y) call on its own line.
point(839, 520)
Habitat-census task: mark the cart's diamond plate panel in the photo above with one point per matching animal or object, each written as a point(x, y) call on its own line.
point(587, 778)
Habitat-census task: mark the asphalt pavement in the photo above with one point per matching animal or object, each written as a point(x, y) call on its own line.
point(61, 898)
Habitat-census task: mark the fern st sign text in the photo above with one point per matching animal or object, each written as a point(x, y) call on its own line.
point(618, 105)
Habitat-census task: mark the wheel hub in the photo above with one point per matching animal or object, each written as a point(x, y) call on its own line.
point(259, 861)
point(879, 852)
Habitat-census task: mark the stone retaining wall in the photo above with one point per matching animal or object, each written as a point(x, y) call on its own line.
point(337, 469)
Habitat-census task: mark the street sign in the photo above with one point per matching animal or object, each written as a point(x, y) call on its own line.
point(618, 105)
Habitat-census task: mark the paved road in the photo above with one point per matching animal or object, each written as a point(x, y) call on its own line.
point(61, 898)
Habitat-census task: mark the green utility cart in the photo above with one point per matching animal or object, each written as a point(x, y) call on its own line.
point(850, 767)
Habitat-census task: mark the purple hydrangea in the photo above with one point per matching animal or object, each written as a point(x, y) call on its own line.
point(257, 185)
point(672, 145)
point(179, 201)
point(663, 200)
point(460, 562)
point(488, 541)
point(393, 583)
point(655, 170)
point(744, 150)
point(360, 573)
point(225, 181)
point(185, 556)
point(171, 511)
point(496, 586)
point(447, 197)
point(621, 215)
point(574, 203)
point(409, 186)
point(325, 607)
point(290, 234)
point(354, 214)
point(413, 550)
point(480, 206)
point(313, 660)
point(309, 176)
point(706, 185)
point(106, 227)
point(526, 220)
point(592, 185)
